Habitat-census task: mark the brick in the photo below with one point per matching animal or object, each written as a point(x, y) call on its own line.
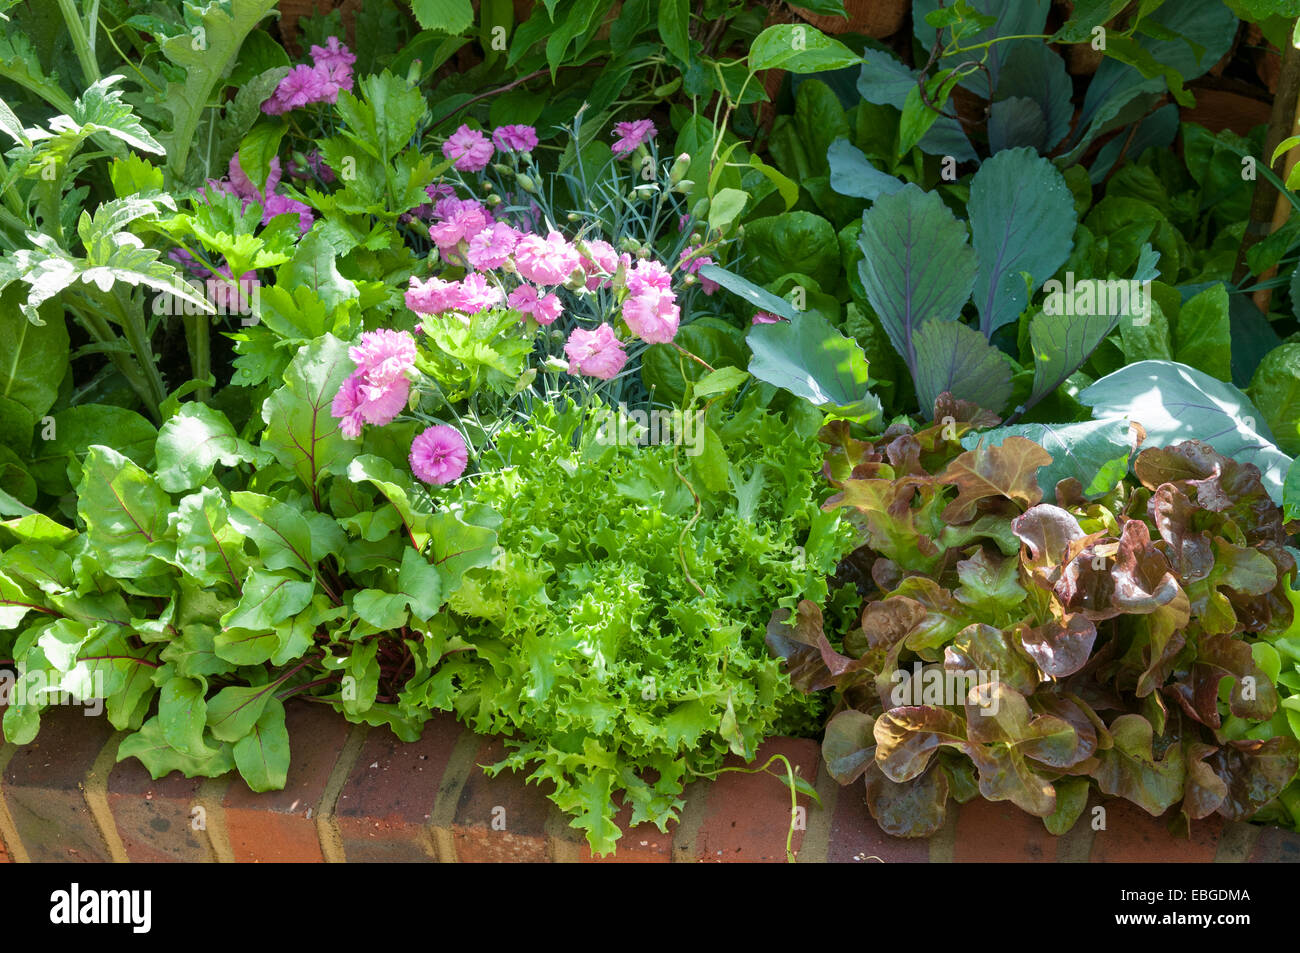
point(999, 832)
point(482, 800)
point(747, 817)
point(1134, 836)
point(642, 844)
point(155, 819)
point(280, 826)
point(43, 788)
point(384, 808)
point(1276, 846)
point(857, 838)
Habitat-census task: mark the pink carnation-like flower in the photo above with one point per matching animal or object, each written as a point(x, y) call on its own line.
point(383, 356)
point(478, 294)
point(652, 315)
point(331, 80)
point(764, 318)
point(491, 247)
point(346, 407)
point(470, 148)
point(332, 54)
point(595, 353)
point(302, 86)
point(546, 261)
point(601, 264)
point(433, 296)
point(460, 221)
point(439, 454)
point(648, 275)
point(515, 138)
point(377, 390)
point(544, 308)
point(632, 134)
point(692, 261)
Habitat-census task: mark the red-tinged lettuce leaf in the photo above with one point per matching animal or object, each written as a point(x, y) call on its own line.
point(1161, 641)
point(1005, 472)
point(990, 583)
point(1252, 696)
point(1054, 538)
point(1084, 722)
point(1144, 580)
point(1205, 791)
point(1255, 772)
point(944, 616)
point(811, 662)
point(1006, 775)
point(889, 620)
point(907, 738)
point(1071, 799)
point(1191, 553)
point(895, 527)
point(1131, 769)
point(998, 715)
point(849, 745)
point(989, 651)
point(914, 808)
point(1060, 648)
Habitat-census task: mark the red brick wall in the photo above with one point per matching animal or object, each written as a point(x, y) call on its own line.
point(357, 794)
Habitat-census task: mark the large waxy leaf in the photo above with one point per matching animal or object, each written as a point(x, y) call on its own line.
point(1034, 71)
point(1022, 220)
point(760, 298)
point(917, 265)
point(1174, 403)
point(1062, 340)
point(125, 513)
point(809, 51)
point(853, 174)
point(1131, 770)
point(815, 361)
point(300, 430)
point(886, 81)
point(959, 360)
point(195, 440)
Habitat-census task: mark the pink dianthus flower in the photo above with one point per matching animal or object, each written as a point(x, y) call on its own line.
point(515, 138)
point(632, 134)
point(470, 148)
point(546, 261)
point(595, 353)
point(439, 455)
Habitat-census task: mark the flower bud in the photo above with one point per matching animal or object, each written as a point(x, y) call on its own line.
point(701, 210)
point(502, 168)
point(680, 168)
point(667, 89)
point(573, 216)
point(493, 200)
point(526, 183)
point(684, 186)
point(696, 238)
point(525, 381)
point(413, 72)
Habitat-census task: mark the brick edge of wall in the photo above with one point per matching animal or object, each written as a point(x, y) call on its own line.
point(357, 794)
